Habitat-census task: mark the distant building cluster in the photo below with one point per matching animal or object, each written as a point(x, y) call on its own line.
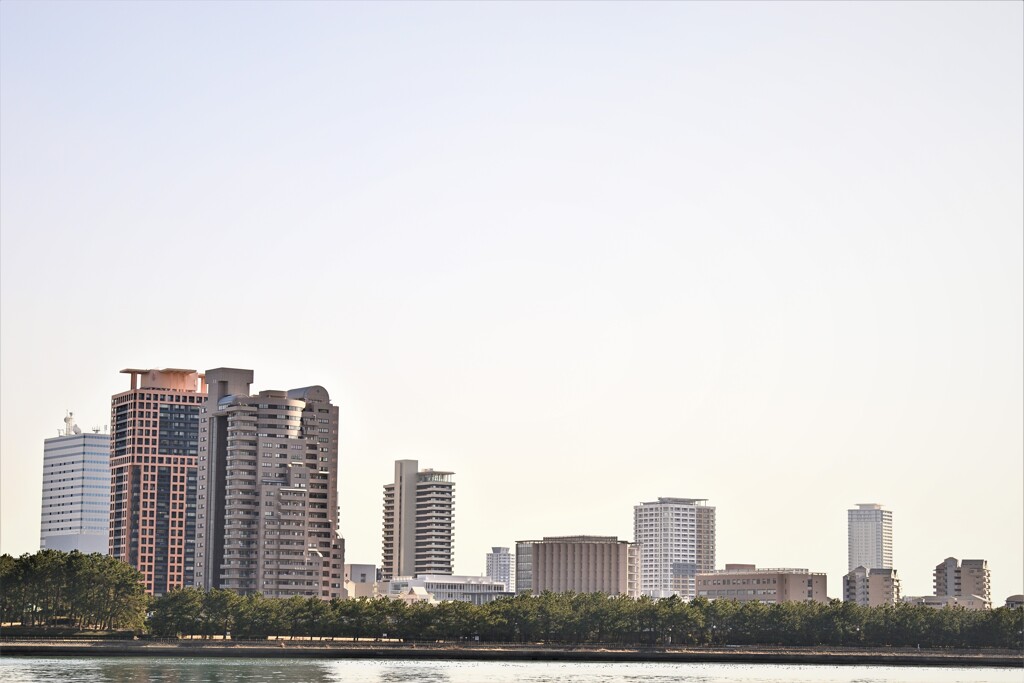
point(202, 482)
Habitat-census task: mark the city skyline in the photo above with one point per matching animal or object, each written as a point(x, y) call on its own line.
point(583, 256)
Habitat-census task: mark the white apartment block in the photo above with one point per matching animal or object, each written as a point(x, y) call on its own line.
point(501, 566)
point(676, 540)
point(869, 537)
point(75, 512)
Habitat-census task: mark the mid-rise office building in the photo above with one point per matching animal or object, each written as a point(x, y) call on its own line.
point(267, 519)
point(747, 583)
point(676, 539)
point(968, 578)
point(871, 587)
point(578, 564)
point(869, 537)
point(419, 510)
point(154, 442)
point(75, 513)
point(501, 566)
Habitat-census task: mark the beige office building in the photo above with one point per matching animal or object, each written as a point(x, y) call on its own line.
point(579, 564)
point(970, 577)
point(747, 583)
point(267, 505)
point(871, 587)
point(419, 509)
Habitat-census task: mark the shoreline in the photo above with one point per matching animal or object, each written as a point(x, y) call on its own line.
point(485, 652)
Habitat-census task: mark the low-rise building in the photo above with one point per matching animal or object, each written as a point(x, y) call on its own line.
point(361, 580)
point(871, 587)
point(972, 602)
point(1015, 601)
point(747, 583)
point(477, 590)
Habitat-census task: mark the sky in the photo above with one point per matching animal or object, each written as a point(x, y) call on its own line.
point(584, 255)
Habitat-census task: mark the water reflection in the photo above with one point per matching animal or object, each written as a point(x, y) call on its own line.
point(285, 670)
point(409, 672)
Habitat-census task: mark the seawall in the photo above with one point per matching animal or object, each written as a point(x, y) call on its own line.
point(486, 652)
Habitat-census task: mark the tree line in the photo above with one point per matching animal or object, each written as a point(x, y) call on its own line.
point(577, 618)
point(94, 591)
point(85, 591)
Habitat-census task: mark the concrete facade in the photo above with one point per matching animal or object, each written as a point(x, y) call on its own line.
point(267, 519)
point(501, 566)
point(871, 587)
point(419, 520)
point(154, 442)
point(676, 540)
point(361, 580)
point(578, 564)
point(968, 578)
point(75, 511)
point(747, 583)
point(869, 537)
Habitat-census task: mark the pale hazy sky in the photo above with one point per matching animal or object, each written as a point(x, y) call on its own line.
point(584, 255)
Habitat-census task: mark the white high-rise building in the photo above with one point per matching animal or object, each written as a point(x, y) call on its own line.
point(869, 537)
point(419, 512)
point(501, 566)
point(676, 537)
point(75, 512)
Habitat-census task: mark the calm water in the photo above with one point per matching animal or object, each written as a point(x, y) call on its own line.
point(179, 670)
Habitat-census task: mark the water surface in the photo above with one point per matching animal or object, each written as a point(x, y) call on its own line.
point(285, 670)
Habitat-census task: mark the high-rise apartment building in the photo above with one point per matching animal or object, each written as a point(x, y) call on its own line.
point(154, 442)
point(961, 579)
point(676, 539)
point(75, 513)
point(418, 522)
point(871, 587)
point(869, 537)
point(578, 564)
point(501, 566)
point(267, 519)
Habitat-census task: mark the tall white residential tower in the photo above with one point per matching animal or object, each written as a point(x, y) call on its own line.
point(869, 537)
point(676, 537)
